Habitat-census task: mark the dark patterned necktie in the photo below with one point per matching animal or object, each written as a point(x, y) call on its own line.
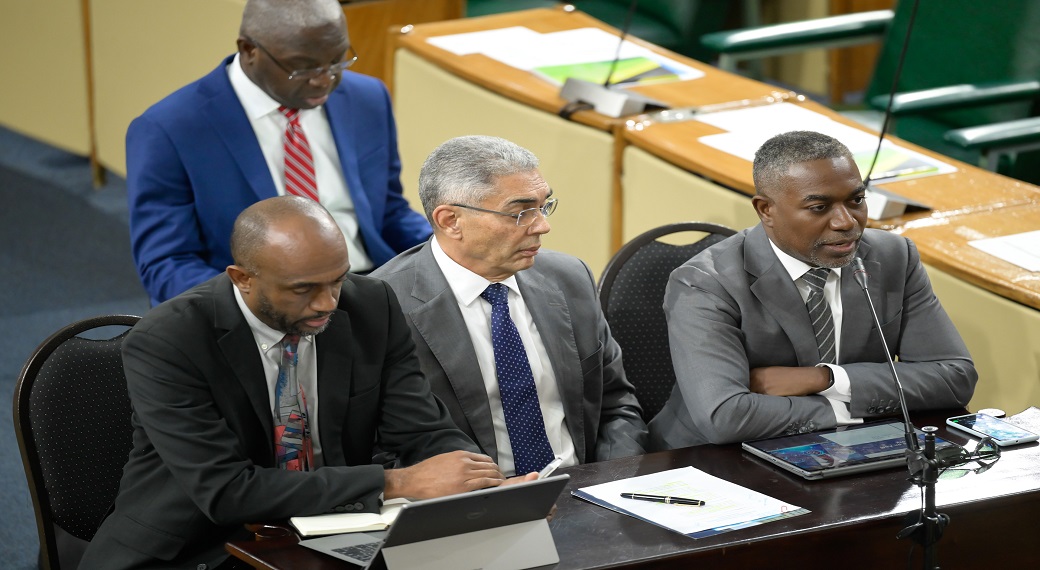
point(291, 432)
point(524, 423)
point(820, 312)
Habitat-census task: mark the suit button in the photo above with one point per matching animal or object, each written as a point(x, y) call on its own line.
point(359, 506)
point(201, 567)
point(339, 509)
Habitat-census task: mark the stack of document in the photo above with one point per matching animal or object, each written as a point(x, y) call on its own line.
point(583, 53)
point(727, 506)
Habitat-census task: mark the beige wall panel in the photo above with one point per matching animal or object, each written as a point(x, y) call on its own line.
point(433, 105)
point(44, 69)
point(657, 193)
point(1003, 338)
point(145, 50)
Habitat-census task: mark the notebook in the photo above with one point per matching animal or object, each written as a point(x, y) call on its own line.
point(841, 451)
point(448, 516)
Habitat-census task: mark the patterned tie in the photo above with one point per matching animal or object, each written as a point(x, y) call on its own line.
point(291, 432)
point(531, 449)
point(299, 164)
point(820, 312)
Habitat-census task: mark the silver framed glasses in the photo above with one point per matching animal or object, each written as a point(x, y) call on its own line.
point(309, 74)
point(524, 218)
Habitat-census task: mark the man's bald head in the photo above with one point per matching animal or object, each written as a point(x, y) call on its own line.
point(280, 20)
point(264, 224)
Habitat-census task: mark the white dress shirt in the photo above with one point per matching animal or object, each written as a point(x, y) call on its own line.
point(476, 312)
point(840, 394)
point(268, 342)
point(269, 126)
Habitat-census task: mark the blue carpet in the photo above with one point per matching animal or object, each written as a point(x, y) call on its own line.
point(66, 258)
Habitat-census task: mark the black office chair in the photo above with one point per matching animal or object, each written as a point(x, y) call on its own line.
point(72, 423)
point(631, 292)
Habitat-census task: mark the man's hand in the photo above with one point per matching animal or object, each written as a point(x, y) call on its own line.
point(444, 474)
point(790, 380)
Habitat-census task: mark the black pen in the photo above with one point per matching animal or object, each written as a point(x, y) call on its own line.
point(663, 499)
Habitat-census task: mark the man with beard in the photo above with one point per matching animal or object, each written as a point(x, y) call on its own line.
point(762, 346)
point(261, 393)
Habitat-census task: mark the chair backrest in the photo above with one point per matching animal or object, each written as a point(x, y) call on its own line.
point(72, 423)
point(959, 42)
point(631, 292)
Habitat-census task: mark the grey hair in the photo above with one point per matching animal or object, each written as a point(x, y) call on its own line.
point(464, 170)
point(279, 20)
point(776, 156)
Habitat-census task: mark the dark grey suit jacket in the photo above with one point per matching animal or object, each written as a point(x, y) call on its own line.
point(602, 414)
point(202, 462)
point(734, 307)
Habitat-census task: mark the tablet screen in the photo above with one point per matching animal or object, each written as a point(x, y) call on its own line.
point(843, 447)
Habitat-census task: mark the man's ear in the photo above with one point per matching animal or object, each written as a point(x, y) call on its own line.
point(240, 277)
point(446, 222)
point(764, 208)
point(246, 50)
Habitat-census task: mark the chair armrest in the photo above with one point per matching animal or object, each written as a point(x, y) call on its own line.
point(821, 32)
point(1017, 133)
point(958, 96)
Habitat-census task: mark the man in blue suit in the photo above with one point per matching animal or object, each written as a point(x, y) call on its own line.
point(200, 156)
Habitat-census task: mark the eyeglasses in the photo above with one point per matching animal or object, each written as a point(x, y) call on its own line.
point(524, 218)
point(308, 74)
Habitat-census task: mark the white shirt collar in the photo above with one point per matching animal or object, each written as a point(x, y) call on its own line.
point(795, 267)
point(466, 285)
point(254, 100)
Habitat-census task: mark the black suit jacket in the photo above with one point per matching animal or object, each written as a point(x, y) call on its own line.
point(202, 462)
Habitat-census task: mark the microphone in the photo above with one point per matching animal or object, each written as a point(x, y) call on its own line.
point(582, 94)
point(861, 276)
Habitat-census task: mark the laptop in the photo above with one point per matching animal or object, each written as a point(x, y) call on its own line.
point(841, 451)
point(447, 516)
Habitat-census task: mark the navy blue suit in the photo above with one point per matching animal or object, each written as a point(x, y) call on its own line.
point(193, 164)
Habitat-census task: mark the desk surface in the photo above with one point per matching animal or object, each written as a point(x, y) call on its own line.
point(943, 242)
point(991, 515)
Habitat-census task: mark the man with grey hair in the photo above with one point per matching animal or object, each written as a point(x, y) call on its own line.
point(518, 350)
point(260, 394)
point(769, 332)
point(281, 116)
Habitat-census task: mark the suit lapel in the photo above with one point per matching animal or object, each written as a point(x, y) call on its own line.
point(229, 122)
point(344, 133)
point(777, 293)
point(441, 326)
point(335, 376)
point(239, 348)
point(857, 324)
point(552, 317)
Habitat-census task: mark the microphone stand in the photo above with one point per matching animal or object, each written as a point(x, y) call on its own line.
point(922, 464)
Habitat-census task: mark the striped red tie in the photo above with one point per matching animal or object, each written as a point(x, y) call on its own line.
point(299, 165)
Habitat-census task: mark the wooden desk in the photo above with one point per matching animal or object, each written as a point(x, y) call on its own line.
point(853, 523)
point(993, 303)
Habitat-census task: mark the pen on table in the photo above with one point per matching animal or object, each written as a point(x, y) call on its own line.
point(663, 499)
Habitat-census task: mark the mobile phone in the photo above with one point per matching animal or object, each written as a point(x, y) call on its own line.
point(982, 425)
point(548, 469)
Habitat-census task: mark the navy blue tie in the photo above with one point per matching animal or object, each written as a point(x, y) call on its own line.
point(531, 449)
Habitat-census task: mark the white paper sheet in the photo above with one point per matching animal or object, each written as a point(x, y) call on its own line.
point(1022, 249)
point(727, 504)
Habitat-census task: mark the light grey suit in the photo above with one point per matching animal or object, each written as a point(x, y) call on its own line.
point(602, 414)
point(734, 307)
